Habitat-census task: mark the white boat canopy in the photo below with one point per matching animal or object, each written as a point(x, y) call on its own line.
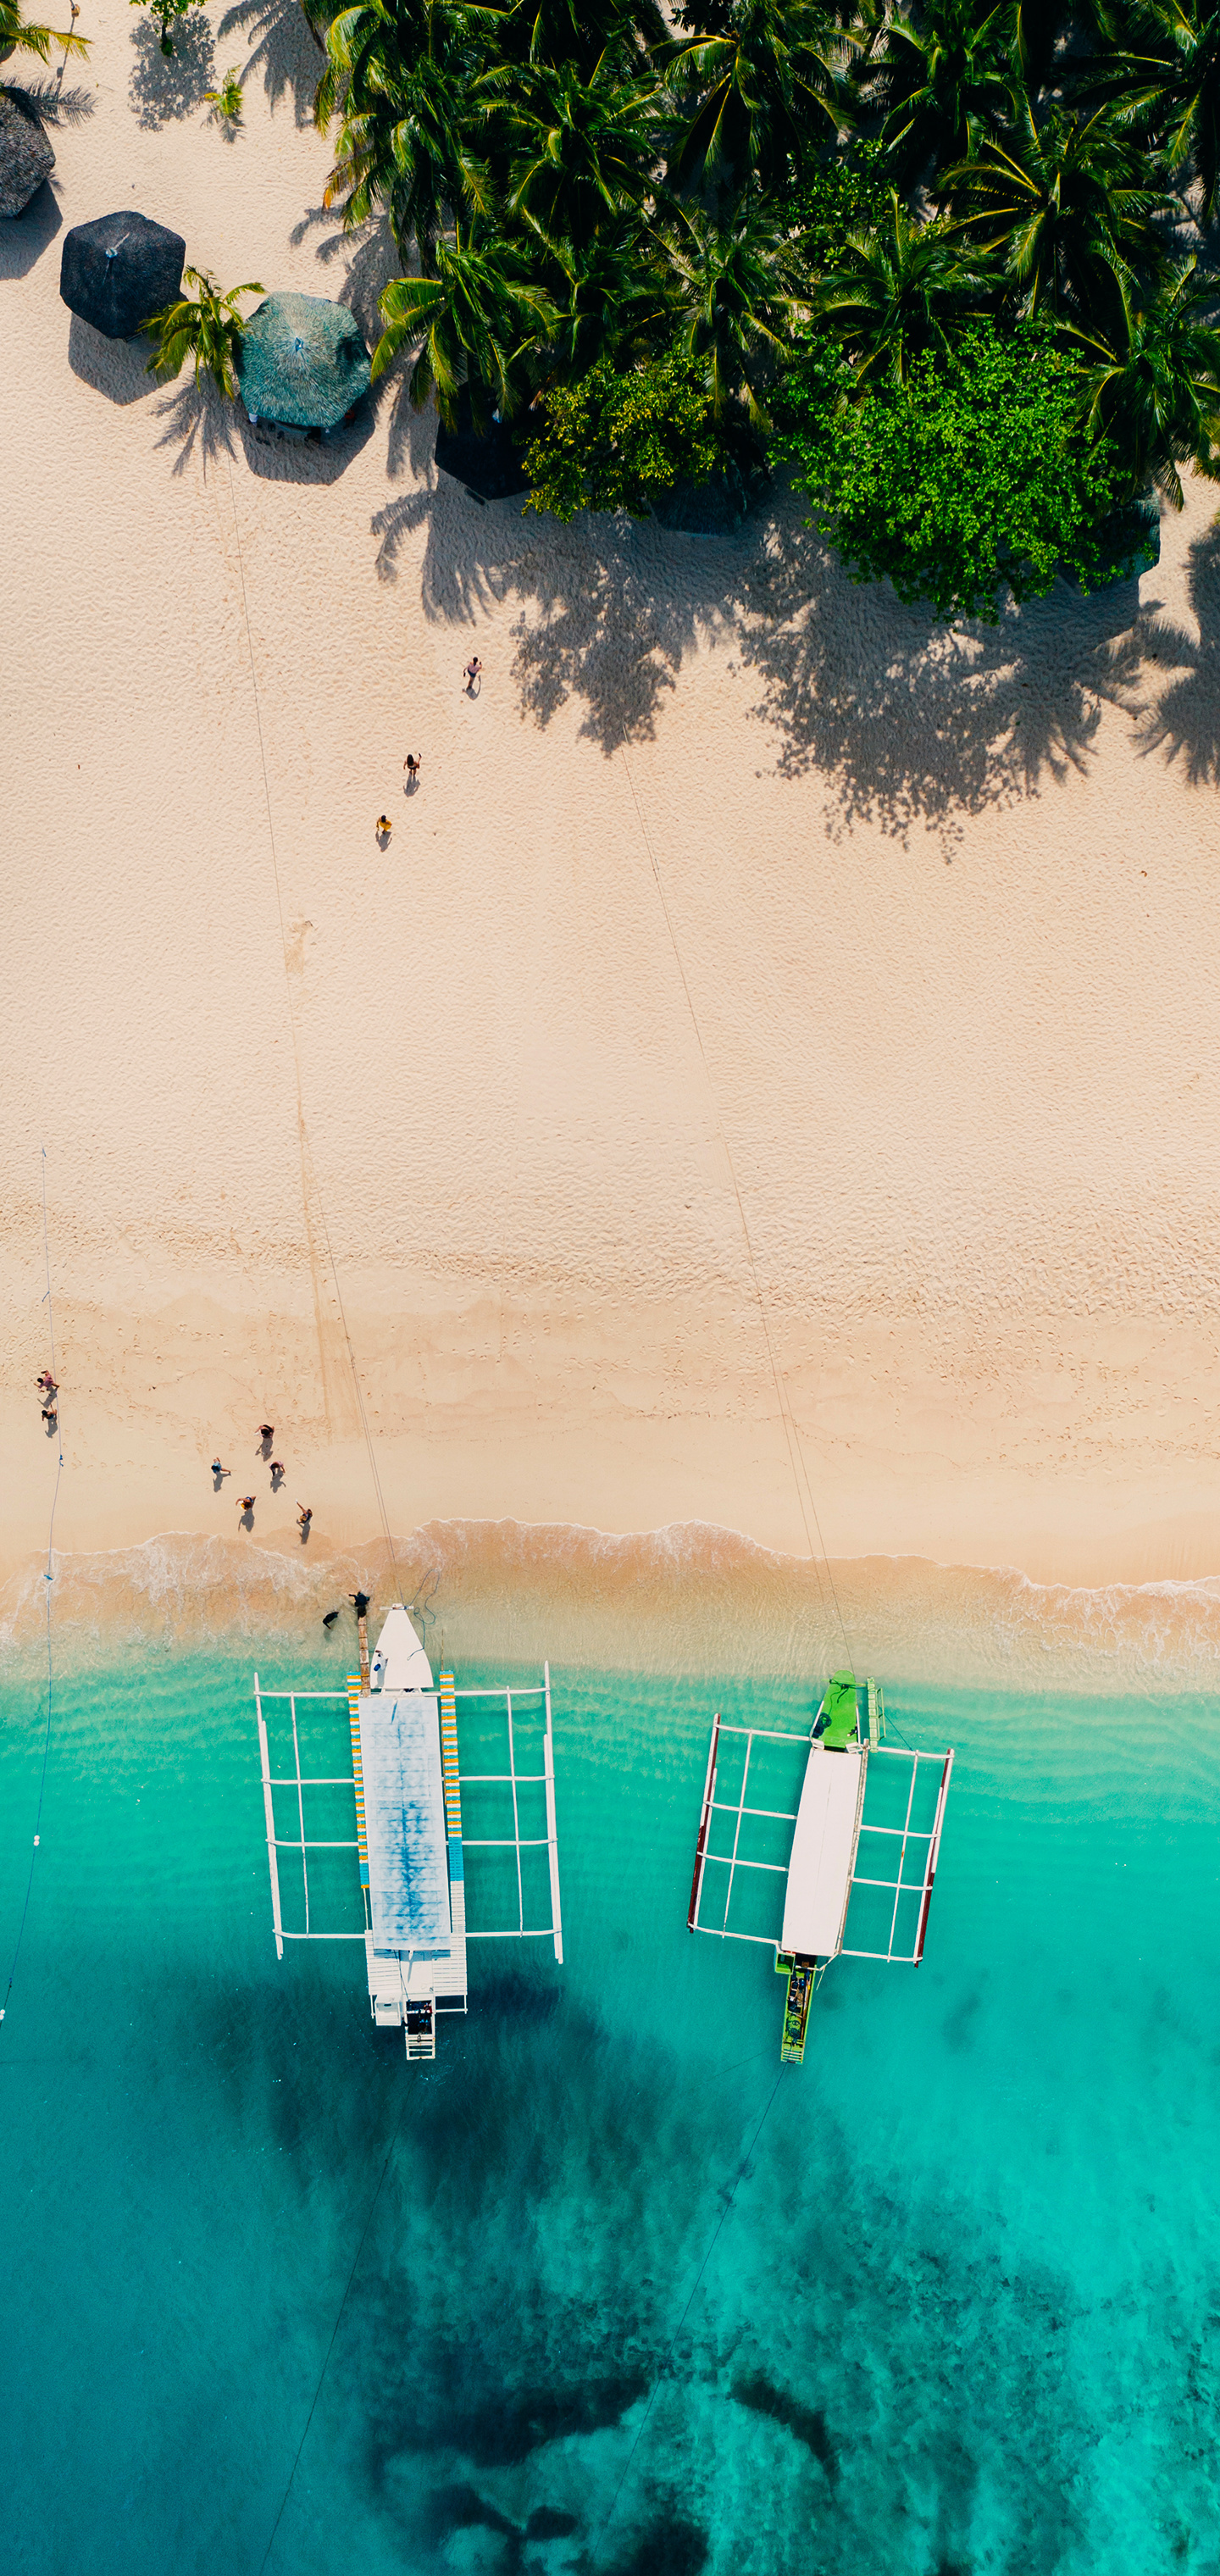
point(404, 1819)
point(823, 1855)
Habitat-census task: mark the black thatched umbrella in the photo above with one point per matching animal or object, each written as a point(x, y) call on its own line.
point(302, 363)
point(26, 158)
point(486, 462)
point(120, 270)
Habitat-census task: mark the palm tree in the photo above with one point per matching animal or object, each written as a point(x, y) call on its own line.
point(899, 291)
point(1154, 383)
point(1067, 201)
point(1168, 78)
point(19, 36)
point(46, 100)
point(1036, 29)
point(405, 79)
point(584, 150)
point(943, 81)
point(768, 87)
point(206, 327)
point(732, 310)
point(475, 325)
point(612, 297)
point(578, 31)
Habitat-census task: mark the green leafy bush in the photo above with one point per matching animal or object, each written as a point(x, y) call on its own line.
point(616, 441)
point(976, 476)
point(166, 13)
point(845, 192)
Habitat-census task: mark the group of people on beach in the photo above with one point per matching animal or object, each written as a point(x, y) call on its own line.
point(246, 1502)
point(245, 1505)
point(471, 678)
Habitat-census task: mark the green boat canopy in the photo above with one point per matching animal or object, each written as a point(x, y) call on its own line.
point(840, 1708)
point(302, 362)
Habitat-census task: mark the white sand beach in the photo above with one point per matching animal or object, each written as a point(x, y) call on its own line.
point(944, 905)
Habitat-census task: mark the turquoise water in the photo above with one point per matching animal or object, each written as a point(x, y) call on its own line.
point(559, 2301)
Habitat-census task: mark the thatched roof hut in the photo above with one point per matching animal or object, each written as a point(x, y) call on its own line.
point(302, 363)
point(119, 270)
point(26, 158)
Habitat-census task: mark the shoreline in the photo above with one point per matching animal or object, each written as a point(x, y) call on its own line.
point(1072, 1446)
point(686, 1600)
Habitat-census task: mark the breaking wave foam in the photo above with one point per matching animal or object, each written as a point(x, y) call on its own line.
point(688, 1598)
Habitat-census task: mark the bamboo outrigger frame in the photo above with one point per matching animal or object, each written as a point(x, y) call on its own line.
point(819, 1883)
point(414, 1980)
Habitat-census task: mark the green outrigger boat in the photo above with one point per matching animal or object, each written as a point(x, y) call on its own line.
point(834, 1876)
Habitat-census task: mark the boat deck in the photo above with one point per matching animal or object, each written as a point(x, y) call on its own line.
point(408, 1805)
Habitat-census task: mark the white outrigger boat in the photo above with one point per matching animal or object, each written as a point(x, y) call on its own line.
point(821, 1873)
point(407, 1788)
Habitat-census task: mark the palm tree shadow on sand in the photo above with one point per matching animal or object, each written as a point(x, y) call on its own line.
point(199, 419)
point(609, 608)
point(908, 723)
point(1184, 723)
point(915, 724)
point(283, 47)
point(203, 422)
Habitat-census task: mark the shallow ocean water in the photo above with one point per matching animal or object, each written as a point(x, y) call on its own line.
point(603, 2288)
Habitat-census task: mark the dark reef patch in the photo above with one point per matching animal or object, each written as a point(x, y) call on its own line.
point(807, 2424)
point(671, 2546)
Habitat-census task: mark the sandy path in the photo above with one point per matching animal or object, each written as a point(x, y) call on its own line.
point(946, 910)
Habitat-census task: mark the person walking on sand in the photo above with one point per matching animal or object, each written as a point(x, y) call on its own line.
point(246, 1504)
point(220, 1472)
point(304, 1517)
point(48, 1386)
point(473, 672)
point(266, 1434)
point(277, 1475)
point(411, 766)
point(384, 826)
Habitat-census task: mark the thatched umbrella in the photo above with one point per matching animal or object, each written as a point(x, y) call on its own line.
point(26, 158)
point(119, 270)
point(487, 463)
point(302, 363)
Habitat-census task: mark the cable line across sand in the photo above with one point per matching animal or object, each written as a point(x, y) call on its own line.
point(796, 1457)
point(306, 1155)
point(48, 1578)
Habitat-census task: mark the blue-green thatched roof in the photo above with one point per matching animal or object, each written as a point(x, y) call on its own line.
point(302, 361)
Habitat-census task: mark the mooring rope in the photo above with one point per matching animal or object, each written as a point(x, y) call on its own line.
point(48, 1579)
point(334, 2332)
point(792, 1437)
point(306, 1152)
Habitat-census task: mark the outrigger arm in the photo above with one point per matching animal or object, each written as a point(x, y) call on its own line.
point(822, 1868)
